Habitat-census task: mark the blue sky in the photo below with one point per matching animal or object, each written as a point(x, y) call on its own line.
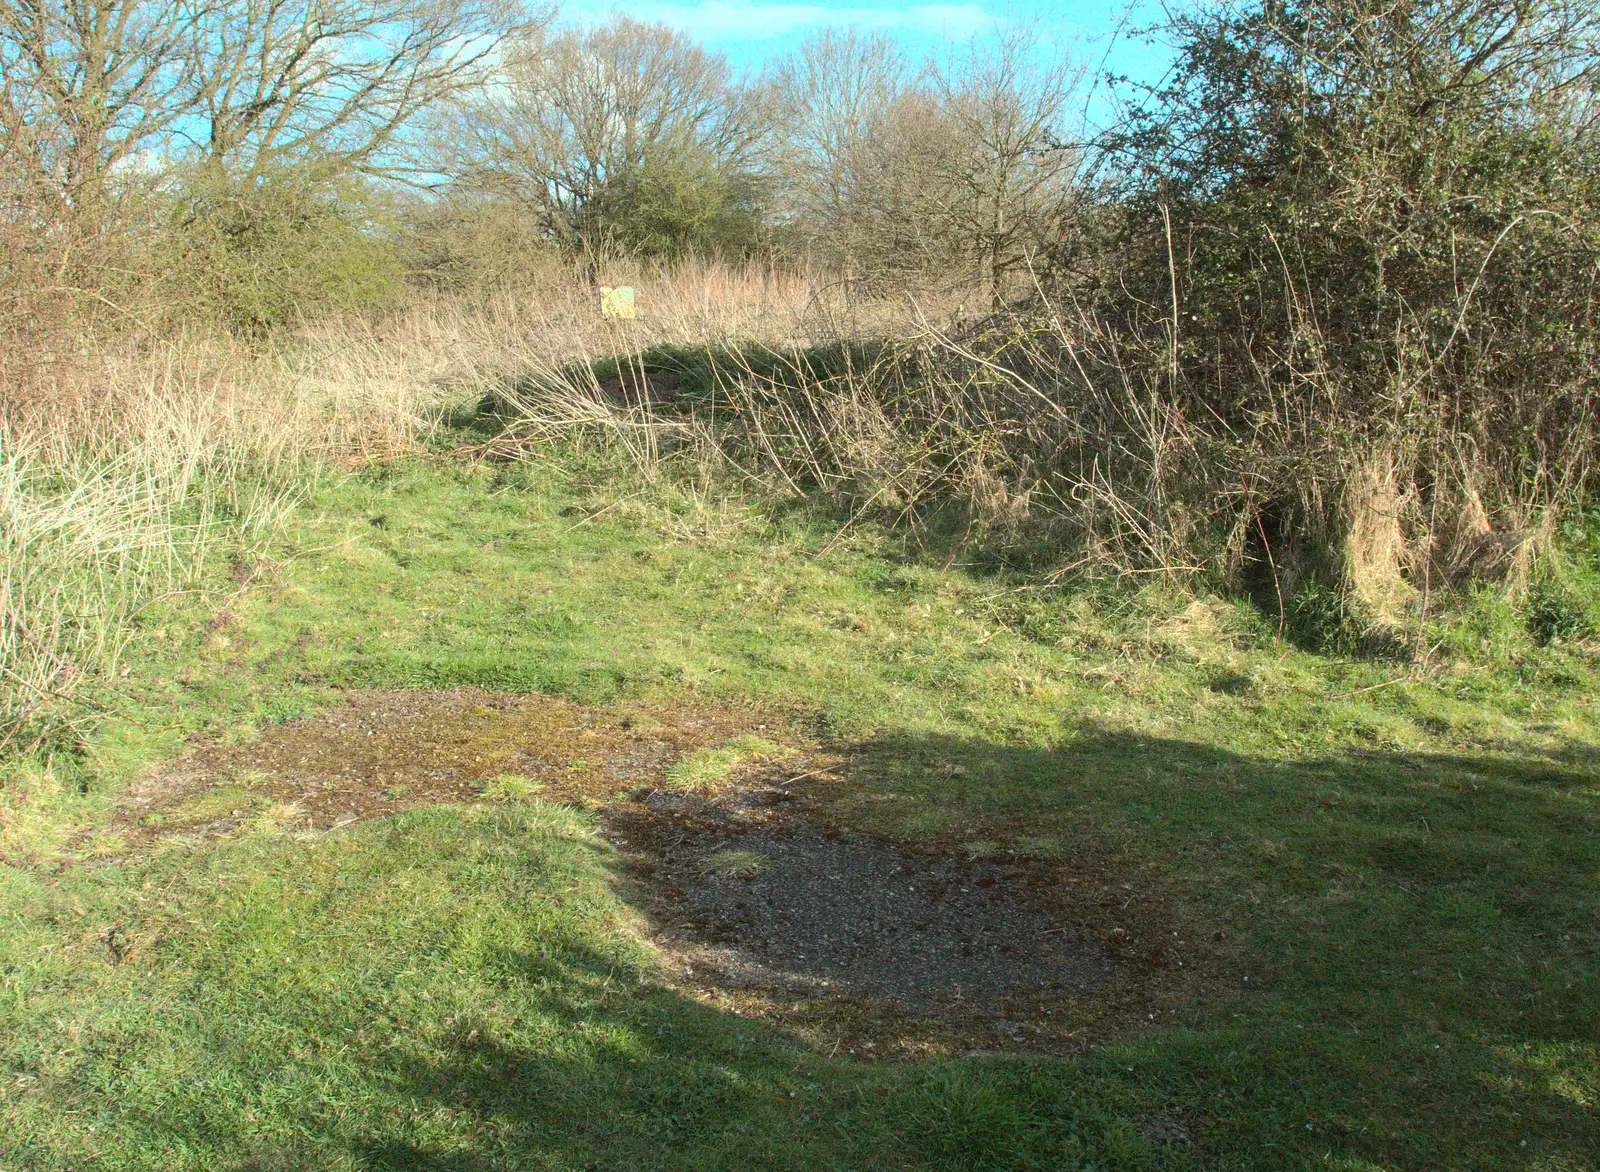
point(752, 33)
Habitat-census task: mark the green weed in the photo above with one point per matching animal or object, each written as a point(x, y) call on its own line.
point(1556, 611)
point(708, 768)
point(511, 787)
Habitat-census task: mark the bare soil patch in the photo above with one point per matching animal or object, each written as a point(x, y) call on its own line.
point(765, 893)
point(769, 900)
point(869, 919)
point(381, 752)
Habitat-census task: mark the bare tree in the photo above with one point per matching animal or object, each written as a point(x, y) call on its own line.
point(84, 86)
point(108, 108)
point(1008, 178)
point(838, 94)
point(938, 169)
point(583, 113)
point(336, 83)
point(87, 86)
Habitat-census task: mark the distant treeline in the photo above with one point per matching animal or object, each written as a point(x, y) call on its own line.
point(267, 160)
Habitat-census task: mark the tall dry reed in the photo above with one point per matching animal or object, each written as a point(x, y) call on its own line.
point(129, 462)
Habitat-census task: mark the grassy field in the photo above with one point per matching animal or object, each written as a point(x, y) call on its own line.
point(1388, 875)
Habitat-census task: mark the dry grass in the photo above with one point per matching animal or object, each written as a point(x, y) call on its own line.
point(129, 463)
point(92, 526)
point(539, 350)
point(129, 470)
point(888, 406)
point(1059, 413)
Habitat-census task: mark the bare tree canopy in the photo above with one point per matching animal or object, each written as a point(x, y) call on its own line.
point(838, 93)
point(85, 84)
point(1010, 174)
point(88, 86)
point(893, 167)
point(336, 82)
point(582, 116)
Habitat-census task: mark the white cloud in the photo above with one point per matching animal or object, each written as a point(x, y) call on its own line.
point(721, 20)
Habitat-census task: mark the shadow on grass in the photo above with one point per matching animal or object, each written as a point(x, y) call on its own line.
point(692, 1087)
point(1419, 930)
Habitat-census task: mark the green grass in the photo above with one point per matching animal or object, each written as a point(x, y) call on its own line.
point(708, 768)
point(734, 864)
point(447, 989)
point(511, 787)
point(1401, 877)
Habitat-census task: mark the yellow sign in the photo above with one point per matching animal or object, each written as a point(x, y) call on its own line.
point(617, 304)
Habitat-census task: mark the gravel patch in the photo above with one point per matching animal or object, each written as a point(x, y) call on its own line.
point(810, 913)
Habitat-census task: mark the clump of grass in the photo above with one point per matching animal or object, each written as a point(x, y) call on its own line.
point(92, 527)
point(510, 787)
point(227, 802)
point(37, 803)
point(1335, 620)
point(733, 864)
point(1557, 612)
point(275, 818)
point(1320, 618)
point(1042, 846)
point(708, 768)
